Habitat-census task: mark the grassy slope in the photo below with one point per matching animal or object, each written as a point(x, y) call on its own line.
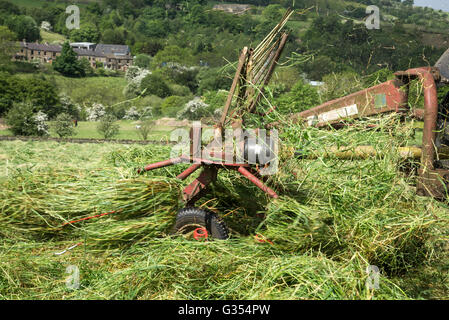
point(52, 37)
point(40, 3)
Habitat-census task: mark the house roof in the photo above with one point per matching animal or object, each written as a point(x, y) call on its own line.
point(85, 52)
point(41, 47)
point(115, 49)
point(101, 50)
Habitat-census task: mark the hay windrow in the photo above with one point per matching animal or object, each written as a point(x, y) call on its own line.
point(334, 219)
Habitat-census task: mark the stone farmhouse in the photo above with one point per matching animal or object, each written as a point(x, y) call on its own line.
point(232, 8)
point(110, 56)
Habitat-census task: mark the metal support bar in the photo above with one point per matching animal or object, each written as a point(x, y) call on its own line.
point(162, 164)
point(257, 182)
point(189, 171)
point(196, 189)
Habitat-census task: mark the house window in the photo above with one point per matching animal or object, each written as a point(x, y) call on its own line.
point(32, 51)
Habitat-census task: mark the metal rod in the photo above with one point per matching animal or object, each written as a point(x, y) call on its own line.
point(162, 164)
point(257, 182)
point(189, 171)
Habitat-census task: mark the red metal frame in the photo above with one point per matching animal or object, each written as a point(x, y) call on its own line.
point(394, 98)
point(195, 190)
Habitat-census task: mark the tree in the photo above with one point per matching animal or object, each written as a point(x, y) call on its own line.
point(142, 61)
point(42, 93)
point(302, 97)
point(195, 110)
point(212, 79)
point(108, 127)
point(86, 33)
point(172, 105)
point(273, 13)
point(68, 64)
point(24, 27)
point(63, 125)
point(85, 64)
point(113, 36)
point(155, 85)
point(24, 122)
point(7, 46)
point(173, 54)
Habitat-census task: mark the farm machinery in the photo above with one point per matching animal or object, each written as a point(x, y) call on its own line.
point(252, 152)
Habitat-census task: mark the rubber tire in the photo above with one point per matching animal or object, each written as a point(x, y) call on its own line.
point(215, 227)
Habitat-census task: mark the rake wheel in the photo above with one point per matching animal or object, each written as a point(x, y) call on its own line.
point(190, 219)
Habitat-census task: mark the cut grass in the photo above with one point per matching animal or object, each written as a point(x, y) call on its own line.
point(334, 219)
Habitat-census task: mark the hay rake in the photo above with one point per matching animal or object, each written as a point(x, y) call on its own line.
point(249, 152)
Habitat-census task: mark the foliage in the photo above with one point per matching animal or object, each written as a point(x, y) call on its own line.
point(173, 54)
point(86, 67)
point(134, 76)
point(108, 126)
point(132, 114)
point(86, 33)
point(24, 27)
point(68, 64)
point(338, 85)
point(195, 109)
point(24, 121)
point(142, 61)
point(39, 91)
point(300, 98)
point(212, 79)
point(216, 99)
point(7, 48)
point(69, 107)
point(144, 128)
point(96, 112)
point(154, 84)
point(172, 105)
point(63, 125)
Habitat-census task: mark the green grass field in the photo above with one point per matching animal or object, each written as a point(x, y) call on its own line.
point(128, 131)
point(40, 3)
point(52, 37)
point(85, 91)
point(333, 220)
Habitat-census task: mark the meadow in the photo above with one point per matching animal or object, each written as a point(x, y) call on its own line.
point(128, 131)
point(333, 220)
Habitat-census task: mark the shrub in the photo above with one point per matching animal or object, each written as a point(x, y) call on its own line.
point(132, 114)
point(63, 125)
point(143, 60)
point(24, 122)
point(144, 128)
point(155, 85)
point(96, 112)
point(302, 97)
point(108, 127)
point(134, 76)
point(69, 107)
point(172, 105)
point(195, 110)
